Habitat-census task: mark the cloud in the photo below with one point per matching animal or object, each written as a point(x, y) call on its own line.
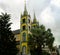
point(38, 6)
point(1, 10)
point(56, 13)
point(47, 19)
point(55, 2)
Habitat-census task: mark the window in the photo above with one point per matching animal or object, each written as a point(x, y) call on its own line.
point(24, 36)
point(24, 50)
point(23, 20)
point(23, 27)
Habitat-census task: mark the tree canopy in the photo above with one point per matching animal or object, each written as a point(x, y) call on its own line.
point(40, 38)
point(7, 39)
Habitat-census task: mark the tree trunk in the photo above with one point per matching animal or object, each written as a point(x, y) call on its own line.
point(39, 49)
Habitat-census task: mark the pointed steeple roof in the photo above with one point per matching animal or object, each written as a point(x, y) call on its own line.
point(21, 14)
point(34, 20)
point(25, 9)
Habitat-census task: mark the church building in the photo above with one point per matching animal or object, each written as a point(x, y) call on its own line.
point(22, 33)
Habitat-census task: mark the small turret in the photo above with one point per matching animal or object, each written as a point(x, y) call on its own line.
point(34, 20)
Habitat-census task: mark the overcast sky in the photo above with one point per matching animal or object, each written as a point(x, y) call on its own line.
point(47, 13)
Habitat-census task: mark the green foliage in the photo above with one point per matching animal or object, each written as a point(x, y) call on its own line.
point(50, 38)
point(7, 40)
point(40, 37)
point(45, 53)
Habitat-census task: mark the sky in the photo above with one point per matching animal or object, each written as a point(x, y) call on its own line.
point(47, 13)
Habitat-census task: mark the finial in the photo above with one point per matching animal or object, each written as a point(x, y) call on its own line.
point(25, 4)
point(25, 1)
point(34, 14)
point(34, 20)
point(25, 10)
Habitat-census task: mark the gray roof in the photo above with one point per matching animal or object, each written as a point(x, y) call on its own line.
point(16, 31)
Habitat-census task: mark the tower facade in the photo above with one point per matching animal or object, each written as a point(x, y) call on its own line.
point(25, 25)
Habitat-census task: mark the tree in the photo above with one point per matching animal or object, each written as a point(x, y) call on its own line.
point(39, 38)
point(50, 39)
point(7, 39)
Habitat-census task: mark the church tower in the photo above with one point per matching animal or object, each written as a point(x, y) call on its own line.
point(34, 23)
point(25, 26)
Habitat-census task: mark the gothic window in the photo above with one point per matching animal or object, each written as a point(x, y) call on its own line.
point(24, 36)
point(23, 20)
point(24, 50)
point(24, 27)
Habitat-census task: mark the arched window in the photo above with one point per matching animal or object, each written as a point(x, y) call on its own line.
point(24, 36)
point(24, 50)
point(23, 20)
point(24, 27)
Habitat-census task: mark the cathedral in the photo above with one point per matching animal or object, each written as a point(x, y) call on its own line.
point(21, 34)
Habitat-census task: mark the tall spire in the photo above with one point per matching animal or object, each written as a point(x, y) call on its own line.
point(25, 10)
point(25, 5)
point(34, 20)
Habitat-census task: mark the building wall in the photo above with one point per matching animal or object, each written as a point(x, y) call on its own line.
point(17, 36)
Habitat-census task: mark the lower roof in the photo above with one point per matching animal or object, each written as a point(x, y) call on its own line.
point(16, 31)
